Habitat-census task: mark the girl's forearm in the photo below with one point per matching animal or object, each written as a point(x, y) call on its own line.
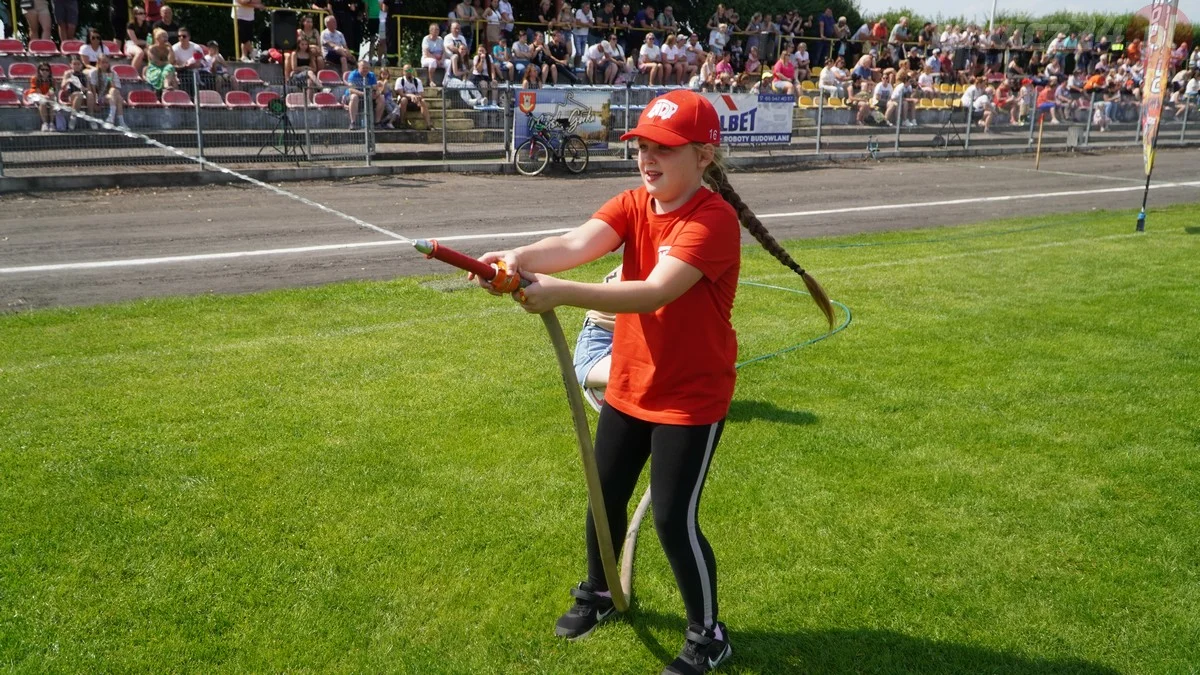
point(626, 297)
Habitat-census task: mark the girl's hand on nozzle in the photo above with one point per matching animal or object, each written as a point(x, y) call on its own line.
point(509, 258)
point(539, 296)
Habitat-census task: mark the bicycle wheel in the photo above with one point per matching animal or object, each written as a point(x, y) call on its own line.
point(575, 154)
point(531, 157)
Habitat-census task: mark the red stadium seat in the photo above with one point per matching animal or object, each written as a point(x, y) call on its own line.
point(57, 70)
point(238, 99)
point(329, 77)
point(43, 48)
point(11, 46)
point(247, 76)
point(295, 99)
point(324, 99)
point(126, 72)
point(175, 98)
point(143, 98)
point(71, 46)
point(210, 99)
point(9, 99)
point(117, 48)
point(264, 97)
point(22, 71)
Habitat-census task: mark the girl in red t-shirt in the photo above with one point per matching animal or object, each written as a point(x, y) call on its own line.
point(672, 374)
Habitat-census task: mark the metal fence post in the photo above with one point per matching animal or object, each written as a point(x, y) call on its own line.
point(967, 139)
point(1, 163)
point(820, 111)
point(1033, 114)
point(368, 119)
point(445, 102)
point(504, 120)
point(307, 133)
point(196, 109)
point(1087, 129)
point(1137, 137)
point(1187, 106)
point(899, 114)
point(628, 89)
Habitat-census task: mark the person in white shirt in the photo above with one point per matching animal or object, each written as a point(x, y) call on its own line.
point(718, 39)
point(903, 104)
point(674, 61)
point(984, 109)
point(834, 79)
point(433, 52)
point(694, 52)
point(973, 91)
point(925, 82)
point(506, 19)
point(333, 43)
point(601, 63)
point(803, 62)
point(584, 20)
point(243, 13)
point(456, 39)
point(650, 60)
point(91, 50)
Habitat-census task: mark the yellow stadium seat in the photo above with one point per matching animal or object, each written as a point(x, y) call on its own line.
point(805, 102)
point(924, 103)
point(835, 102)
point(807, 85)
point(945, 88)
point(816, 71)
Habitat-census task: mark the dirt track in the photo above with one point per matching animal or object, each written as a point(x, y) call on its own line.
point(120, 225)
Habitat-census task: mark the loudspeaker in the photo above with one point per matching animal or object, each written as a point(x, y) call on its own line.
point(284, 24)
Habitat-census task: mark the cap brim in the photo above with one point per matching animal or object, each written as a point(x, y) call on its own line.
point(657, 134)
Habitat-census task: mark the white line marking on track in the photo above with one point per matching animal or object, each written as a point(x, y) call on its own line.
point(202, 257)
point(1139, 181)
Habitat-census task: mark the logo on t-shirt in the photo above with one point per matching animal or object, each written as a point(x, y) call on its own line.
point(663, 109)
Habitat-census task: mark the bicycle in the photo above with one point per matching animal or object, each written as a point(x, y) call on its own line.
point(550, 141)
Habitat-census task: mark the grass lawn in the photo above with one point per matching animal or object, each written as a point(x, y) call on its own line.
point(995, 469)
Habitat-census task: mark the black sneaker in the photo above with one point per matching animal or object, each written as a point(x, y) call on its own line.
point(589, 610)
point(701, 653)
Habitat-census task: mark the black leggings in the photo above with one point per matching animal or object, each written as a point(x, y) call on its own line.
point(679, 458)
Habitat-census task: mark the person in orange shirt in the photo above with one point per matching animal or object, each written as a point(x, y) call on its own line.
point(1045, 100)
point(42, 84)
point(672, 374)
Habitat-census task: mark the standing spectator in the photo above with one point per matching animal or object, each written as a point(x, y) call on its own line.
point(650, 61)
point(666, 22)
point(66, 15)
point(491, 15)
point(153, 10)
point(160, 66)
point(410, 94)
point(507, 19)
point(825, 33)
point(1026, 100)
point(718, 39)
point(135, 38)
point(166, 22)
point(74, 88)
point(104, 85)
point(37, 17)
point(898, 37)
point(118, 18)
point(362, 83)
point(41, 91)
point(557, 63)
point(243, 12)
point(91, 50)
point(547, 15)
point(623, 21)
point(584, 20)
point(433, 54)
point(644, 21)
point(335, 46)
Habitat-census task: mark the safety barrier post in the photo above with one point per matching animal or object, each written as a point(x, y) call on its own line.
point(967, 139)
point(505, 100)
point(820, 110)
point(368, 119)
point(445, 102)
point(196, 108)
point(304, 115)
point(628, 89)
point(1187, 106)
point(1087, 129)
point(899, 114)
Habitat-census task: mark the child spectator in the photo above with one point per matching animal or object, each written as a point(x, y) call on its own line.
point(41, 91)
point(482, 75)
point(724, 72)
point(104, 85)
point(74, 87)
point(502, 61)
point(215, 66)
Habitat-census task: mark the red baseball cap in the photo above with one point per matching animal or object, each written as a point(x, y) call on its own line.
point(678, 117)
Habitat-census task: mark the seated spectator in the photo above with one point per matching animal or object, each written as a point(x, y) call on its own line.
point(105, 86)
point(724, 73)
point(865, 68)
point(693, 52)
point(752, 72)
point(74, 86)
point(881, 96)
point(903, 103)
point(309, 32)
point(433, 54)
point(482, 75)
point(215, 67)
point(803, 63)
point(784, 73)
point(166, 23)
point(558, 63)
point(189, 58)
point(650, 61)
point(537, 61)
point(522, 53)
point(532, 77)
point(299, 64)
point(93, 48)
point(457, 39)
point(135, 38)
point(503, 62)
point(1066, 104)
point(458, 76)
point(334, 44)
point(1045, 100)
point(1003, 101)
point(983, 110)
point(973, 91)
point(925, 83)
point(863, 101)
point(674, 61)
point(409, 94)
point(160, 68)
point(601, 62)
point(363, 83)
point(41, 90)
point(834, 78)
point(1104, 111)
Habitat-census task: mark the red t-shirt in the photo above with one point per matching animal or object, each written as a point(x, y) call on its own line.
point(1045, 95)
point(675, 365)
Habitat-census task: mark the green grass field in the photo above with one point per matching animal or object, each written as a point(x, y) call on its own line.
point(993, 470)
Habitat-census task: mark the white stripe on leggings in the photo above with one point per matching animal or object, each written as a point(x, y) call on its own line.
point(705, 588)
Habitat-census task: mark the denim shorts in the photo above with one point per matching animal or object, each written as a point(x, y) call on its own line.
point(594, 343)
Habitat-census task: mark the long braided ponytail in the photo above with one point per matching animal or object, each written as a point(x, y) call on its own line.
point(717, 179)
